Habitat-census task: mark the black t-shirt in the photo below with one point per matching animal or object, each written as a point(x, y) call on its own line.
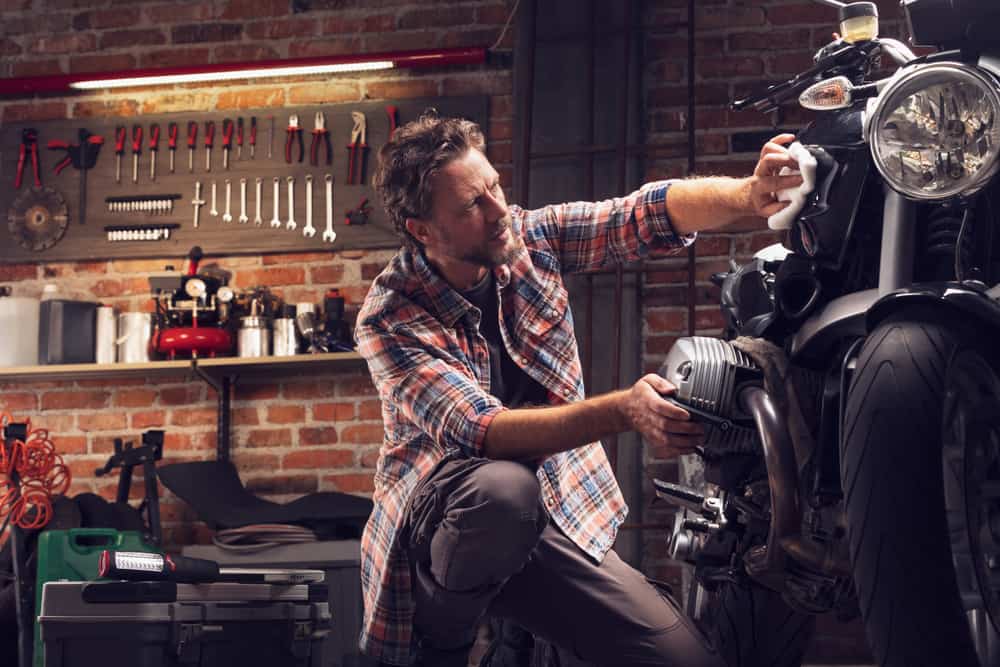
point(511, 385)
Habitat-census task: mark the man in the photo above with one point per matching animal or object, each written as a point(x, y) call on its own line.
point(486, 503)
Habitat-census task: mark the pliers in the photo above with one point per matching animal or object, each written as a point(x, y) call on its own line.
point(29, 144)
point(294, 134)
point(79, 155)
point(356, 162)
point(321, 136)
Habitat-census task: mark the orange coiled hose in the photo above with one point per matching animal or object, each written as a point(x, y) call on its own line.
point(41, 475)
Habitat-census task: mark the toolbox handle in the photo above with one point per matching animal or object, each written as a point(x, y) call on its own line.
point(89, 540)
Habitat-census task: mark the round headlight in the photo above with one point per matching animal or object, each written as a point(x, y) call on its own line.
point(933, 131)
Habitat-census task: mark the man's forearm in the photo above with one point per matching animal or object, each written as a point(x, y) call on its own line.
point(532, 433)
point(707, 203)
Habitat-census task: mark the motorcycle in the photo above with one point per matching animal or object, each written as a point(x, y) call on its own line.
point(852, 413)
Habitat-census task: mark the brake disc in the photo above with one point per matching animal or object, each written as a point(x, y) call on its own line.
point(38, 218)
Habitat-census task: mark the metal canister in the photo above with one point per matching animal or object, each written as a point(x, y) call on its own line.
point(106, 336)
point(254, 339)
point(285, 341)
point(134, 332)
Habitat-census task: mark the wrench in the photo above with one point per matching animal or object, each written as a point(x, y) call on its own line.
point(309, 231)
point(243, 202)
point(197, 202)
point(275, 221)
point(215, 210)
point(291, 224)
point(227, 216)
point(259, 183)
point(329, 236)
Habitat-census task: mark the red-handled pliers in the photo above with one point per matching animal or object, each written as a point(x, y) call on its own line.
point(321, 137)
point(172, 143)
point(294, 134)
point(29, 144)
point(356, 150)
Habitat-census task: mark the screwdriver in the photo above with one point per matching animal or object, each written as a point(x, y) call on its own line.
point(209, 141)
point(154, 148)
point(192, 144)
point(172, 143)
point(239, 138)
point(121, 133)
point(136, 149)
point(253, 136)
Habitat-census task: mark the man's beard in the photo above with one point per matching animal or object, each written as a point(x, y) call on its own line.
point(494, 257)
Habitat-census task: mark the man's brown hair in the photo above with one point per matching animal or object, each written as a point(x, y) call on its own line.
point(415, 152)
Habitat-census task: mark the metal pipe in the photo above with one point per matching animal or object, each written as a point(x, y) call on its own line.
point(899, 231)
point(526, 92)
point(588, 179)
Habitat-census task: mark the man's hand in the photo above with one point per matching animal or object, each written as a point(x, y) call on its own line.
point(765, 183)
point(667, 428)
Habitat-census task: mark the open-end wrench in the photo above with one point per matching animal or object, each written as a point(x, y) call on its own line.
point(227, 216)
point(329, 236)
point(276, 220)
point(197, 202)
point(309, 231)
point(259, 182)
point(215, 209)
point(291, 224)
point(243, 202)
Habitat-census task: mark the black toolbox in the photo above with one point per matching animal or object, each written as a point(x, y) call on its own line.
point(163, 624)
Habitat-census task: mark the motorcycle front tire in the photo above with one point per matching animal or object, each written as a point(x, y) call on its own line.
point(893, 483)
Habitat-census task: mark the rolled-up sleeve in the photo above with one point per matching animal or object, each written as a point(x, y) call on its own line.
point(590, 235)
point(429, 388)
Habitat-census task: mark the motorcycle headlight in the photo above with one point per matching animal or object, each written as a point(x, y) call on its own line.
point(933, 131)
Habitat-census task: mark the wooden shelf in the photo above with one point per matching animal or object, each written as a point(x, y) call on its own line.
point(219, 366)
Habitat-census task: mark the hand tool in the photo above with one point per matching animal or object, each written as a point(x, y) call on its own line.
point(214, 211)
point(29, 144)
point(243, 202)
point(121, 133)
point(192, 144)
point(259, 183)
point(197, 202)
point(393, 113)
point(276, 220)
point(291, 224)
point(155, 204)
point(83, 156)
point(253, 137)
point(227, 140)
point(239, 137)
point(321, 136)
point(136, 150)
point(160, 232)
point(209, 142)
point(329, 236)
point(227, 216)
point(294, 133)
point(359, 214)
point(356, 150)
point(38, 218)
point(172, 143)
point(309, 231)
point(142, 566)
point(270, 137)
point(154, 148)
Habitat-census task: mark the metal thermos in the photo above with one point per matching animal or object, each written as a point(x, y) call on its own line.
point(134, 332)
point(254, 339)
point(106, 336)
point(285, 342)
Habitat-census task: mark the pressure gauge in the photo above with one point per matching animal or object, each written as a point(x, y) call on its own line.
point(224, 294)
point(195, 288)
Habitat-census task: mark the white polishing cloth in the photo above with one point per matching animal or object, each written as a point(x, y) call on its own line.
point(784, 218)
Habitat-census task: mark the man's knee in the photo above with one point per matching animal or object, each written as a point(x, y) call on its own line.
point(507, 491)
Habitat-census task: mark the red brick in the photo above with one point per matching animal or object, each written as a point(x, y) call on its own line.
point(242, 9)
point(231, 53)
point(175, 11)
point(370, 410)
point(74, 269)
point(102, 421)
point(275, 437)
point(370, 271)
point(72, 42)
point(317, 459)
point(770, 40)
point(83, 468)
point(256, 461)
point(283, 484)
point(500, 152)
point(352, 482)
point(728, 67)
point(714, 18)
point(282, 29)
point(21, 402)
point(324, 47)
point(709, 318)
point(500, 129)
point(193, 417)
point(331, 274)
point(101, 19)
point(660, 321)
point(15, 113)
point(711, 245)
point(804, 13)
point(308, 390)
point(333, 412)
point(789, 63)
point(75, 400)
point(134, 398)
point(206, 32)
point(493, 14)
point(325, 93)
point(475, 37)
point(256, 392)
point(148, 419)
point(402, 88)
point(124, 39)
point(37, 68)
point(71, 444)
point(105, 108)
point(246, 416)
point(271, 277)
point(363, 434)
point(355, 386)
point(339, 25)
point(184, 395)
point(439, 17)
point(492, 83)
point(286, 414)
point(283, 259)
point(501, 106)
point(9, 47)
point(318, 436)
point(174, 57)
point(370, 458)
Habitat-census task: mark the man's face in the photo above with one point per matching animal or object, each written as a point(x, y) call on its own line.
point(469, 226)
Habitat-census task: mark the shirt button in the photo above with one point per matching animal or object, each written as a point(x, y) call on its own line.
point(567, 393)
point(524, 361)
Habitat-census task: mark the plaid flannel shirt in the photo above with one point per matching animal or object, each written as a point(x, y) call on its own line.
point(420, 339)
